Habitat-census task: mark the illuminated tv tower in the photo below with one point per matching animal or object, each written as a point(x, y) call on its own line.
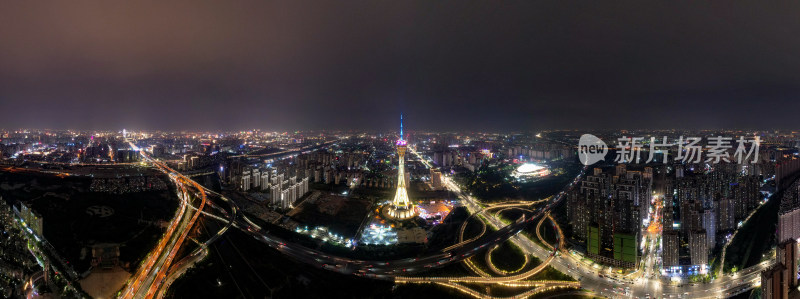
point(401, 207)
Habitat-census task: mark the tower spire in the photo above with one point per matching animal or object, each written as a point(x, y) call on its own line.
point(401, 126)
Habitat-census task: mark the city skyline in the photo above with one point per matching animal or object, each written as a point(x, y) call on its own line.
point(398, 210)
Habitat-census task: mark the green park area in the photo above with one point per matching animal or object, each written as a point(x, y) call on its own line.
point(508, 257)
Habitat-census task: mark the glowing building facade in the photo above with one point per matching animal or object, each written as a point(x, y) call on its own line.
point(530, 171)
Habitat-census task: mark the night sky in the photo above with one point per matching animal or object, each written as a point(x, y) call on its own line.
point(461, 65)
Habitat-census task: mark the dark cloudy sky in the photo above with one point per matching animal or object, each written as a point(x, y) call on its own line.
point(493, 65)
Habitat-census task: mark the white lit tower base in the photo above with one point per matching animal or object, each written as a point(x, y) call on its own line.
point(401, 208)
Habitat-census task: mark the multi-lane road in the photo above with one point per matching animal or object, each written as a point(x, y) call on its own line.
point(151, 273)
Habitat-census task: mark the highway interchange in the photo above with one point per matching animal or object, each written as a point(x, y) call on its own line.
point(647, 285)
